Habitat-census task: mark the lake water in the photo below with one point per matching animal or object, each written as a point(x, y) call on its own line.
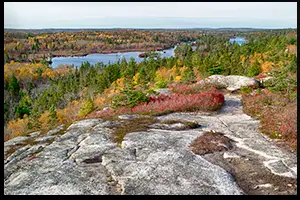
point(105, 58)
point(238, 40)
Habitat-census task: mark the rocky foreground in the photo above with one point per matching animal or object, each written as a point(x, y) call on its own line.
point(82, 158)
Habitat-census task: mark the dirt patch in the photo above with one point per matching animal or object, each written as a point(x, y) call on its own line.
point(252, 177)
point(285, 146)
point(211, 142)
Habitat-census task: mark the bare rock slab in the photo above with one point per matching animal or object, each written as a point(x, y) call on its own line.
point(231, 82)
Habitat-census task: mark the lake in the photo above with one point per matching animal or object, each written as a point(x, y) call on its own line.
point(238, 40)
point(105, 58)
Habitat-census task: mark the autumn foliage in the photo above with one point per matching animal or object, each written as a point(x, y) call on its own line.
point(277, 114)
point(69, 113)
point(25, 45)
point(17, 127)
point(25, 72)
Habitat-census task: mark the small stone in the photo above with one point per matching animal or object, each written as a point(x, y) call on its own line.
point(230, 155)
point(164, 91)
point(106, 108)
point(267, 185)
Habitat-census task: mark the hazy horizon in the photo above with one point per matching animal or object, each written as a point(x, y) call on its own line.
point(149, 15)
point(152, 28)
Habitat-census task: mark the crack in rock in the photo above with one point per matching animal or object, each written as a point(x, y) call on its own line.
point(97, 159)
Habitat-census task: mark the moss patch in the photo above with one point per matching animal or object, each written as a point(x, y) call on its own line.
point(131, 125)
point(191, 125)
point(9, 152)
point(30, 141)
point(171, 121)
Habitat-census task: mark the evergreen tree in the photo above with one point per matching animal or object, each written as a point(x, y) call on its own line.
point(254, 69)
point(189, 75)
point(87, 107)
point(14, 86)
point(24, 106)
point(142, 78)
point(52, 115)
point(131, 69)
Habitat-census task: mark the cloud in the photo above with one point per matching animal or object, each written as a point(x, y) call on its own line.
point(81, 14)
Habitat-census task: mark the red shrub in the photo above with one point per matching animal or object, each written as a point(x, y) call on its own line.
point(159, 98)
point(288, 124)
point(278, 115)
point(101, 113)
point(205, 101)
point(254, 104)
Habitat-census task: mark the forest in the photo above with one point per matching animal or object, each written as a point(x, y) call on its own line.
point(38, 97)
point(35, 46)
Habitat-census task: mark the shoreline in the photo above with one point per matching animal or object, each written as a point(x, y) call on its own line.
point(39, 57)
point(111, 51)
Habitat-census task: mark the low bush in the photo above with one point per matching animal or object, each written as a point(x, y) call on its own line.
point(253, 104)
point(246, 90)
point(277, 114)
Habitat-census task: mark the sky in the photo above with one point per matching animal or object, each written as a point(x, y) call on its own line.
point(38, 15)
